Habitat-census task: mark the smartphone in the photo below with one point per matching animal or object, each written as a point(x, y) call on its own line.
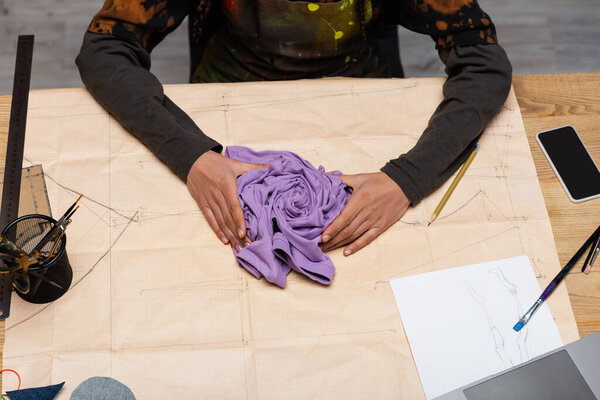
point(571, 162)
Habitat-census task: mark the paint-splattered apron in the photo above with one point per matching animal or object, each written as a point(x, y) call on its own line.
point(281, 39)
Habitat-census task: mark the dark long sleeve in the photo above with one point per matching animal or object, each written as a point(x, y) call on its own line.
point(116, 72)
point(478, 83)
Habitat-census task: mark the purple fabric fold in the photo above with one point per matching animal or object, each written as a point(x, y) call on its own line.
point(287, 207)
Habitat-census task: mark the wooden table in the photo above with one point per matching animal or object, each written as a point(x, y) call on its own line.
point(546, 101)
point(549, 101)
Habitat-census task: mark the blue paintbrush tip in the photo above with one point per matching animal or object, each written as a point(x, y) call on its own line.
point(518, 326)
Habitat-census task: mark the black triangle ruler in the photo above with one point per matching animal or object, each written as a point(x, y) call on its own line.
point(14, 153)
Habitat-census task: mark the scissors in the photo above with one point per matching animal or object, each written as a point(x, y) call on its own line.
point(17, 262)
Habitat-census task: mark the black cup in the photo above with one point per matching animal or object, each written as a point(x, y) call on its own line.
point(26, 232)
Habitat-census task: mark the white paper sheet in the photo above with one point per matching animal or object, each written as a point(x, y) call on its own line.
point(459, 321)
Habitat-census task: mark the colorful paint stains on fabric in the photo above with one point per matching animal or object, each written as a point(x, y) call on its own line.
point(344, 4)
point(283, 39)
point(102, 26)
point(135, 12)
point(339, 14)
point(145, 21)
point(269, 39)
point(441, 25)
point(368, 10)
point(451, 23)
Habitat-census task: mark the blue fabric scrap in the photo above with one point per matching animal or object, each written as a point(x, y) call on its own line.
point(38, 393)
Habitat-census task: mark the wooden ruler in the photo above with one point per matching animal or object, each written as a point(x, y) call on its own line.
point(14, 153)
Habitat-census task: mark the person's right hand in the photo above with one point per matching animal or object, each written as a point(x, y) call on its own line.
point(212, 183)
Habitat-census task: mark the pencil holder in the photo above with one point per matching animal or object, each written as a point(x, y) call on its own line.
point(51, 279)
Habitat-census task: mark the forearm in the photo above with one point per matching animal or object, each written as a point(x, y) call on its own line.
point(479, 79)
point(116, 72)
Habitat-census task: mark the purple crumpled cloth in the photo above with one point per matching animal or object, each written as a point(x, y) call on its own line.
point(287, 207)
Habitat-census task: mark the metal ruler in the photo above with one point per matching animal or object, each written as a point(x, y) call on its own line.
point(14, 153)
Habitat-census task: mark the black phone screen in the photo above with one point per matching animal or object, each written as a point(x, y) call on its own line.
point(571, 162)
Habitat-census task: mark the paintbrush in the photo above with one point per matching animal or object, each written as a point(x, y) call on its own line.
point(554, 283)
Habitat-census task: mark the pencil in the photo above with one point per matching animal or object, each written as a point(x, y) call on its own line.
point(596, 251)
point(455, 182)
point(587, 264)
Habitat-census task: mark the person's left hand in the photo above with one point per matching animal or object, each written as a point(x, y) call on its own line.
point(376, 203)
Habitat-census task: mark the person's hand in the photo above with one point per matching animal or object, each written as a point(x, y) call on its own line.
point(212, 183)
point(377, 202)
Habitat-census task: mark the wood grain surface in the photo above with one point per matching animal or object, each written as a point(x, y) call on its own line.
point(549, 101)
point(546, 101)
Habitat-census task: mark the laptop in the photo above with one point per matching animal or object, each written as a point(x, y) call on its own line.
point(570, 372)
